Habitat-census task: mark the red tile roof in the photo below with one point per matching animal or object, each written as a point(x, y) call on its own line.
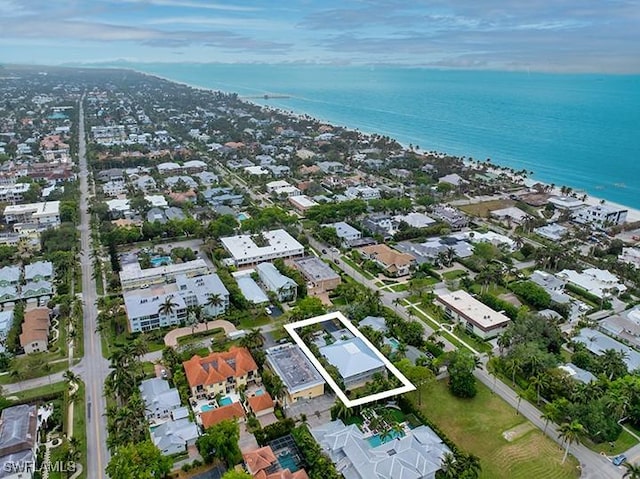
point(259, 459)
point(217, 367)
point(232, 411)
point(260, 403)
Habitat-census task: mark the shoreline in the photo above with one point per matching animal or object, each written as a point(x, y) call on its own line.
point(591, 200)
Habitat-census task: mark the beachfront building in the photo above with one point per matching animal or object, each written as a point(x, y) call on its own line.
point(282, 286)
point(251, 249)
point(599, 282)
point(133, 276)
point(355, 361)
point(477, 317)
point(566, 203)
point(601, 215)
point(46, 213)
point(300, 378)
point(417, 454)
point(629, 256)
point(220, 373)
point(394, 263)
point(318, 274)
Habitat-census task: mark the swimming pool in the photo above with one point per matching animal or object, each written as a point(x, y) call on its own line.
point(376, 441)
point(393, 342)
point(242, 217)
point(225, 401)
point(288, 461)
point(160, 260)
point(259, 392)
point(207, 407)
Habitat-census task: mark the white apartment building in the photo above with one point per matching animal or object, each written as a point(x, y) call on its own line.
point(13, 193)
point(477, 317)
point(601, 215)
point(46, 213)
point(133, 277)
point(266, 246)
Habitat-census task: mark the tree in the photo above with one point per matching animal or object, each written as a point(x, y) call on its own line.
point(570, 432)
point(221, 441)
point(462, 382)
point(168, 306)
point(632, 470)
point(139, 461)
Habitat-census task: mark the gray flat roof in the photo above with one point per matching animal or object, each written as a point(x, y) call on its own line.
point(293, 367)
point(314, 269)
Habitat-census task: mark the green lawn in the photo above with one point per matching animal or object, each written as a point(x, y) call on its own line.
point(454, 274)
point(624, 442)
point(40, 391)
point(477, 426)
point(253, 322)
point(398, 288)
point(352, 263)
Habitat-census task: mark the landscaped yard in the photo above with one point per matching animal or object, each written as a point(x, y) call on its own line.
point(454, 274)
point(477, 426)
point(352, 263)
point(624, 442)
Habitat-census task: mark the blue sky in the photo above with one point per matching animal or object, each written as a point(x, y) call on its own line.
point(554, 35)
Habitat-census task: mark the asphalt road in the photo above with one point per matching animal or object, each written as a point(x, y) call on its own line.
point(93, 368)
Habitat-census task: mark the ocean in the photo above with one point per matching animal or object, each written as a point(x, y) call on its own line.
point(581, 131)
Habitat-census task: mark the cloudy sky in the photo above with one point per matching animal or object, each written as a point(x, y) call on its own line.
point(551, 35)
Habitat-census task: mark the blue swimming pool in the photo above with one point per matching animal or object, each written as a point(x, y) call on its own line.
point(259, 392)
point(207, 407)
point(242, 217)
point(393, 342)
point(225, 401)
point(160, 261)
point(288, 461)
point(376, 441)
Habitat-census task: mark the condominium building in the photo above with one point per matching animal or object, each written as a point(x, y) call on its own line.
point(267, 246)
point(45, 213)
point(133, 276)
point(477, 317)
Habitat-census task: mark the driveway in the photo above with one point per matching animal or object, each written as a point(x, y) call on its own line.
point(171, 338)
point(316, 410)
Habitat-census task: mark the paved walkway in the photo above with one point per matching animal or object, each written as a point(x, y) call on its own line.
point(171, 339)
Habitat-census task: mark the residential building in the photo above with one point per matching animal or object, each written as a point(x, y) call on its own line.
point(453, 179)
point(435, 250)
point(250, 289)
point(10, 275)
point(362, 192)
point(119, 208)
point(345, 232)
point(496, 239)
point(113, 189)
point(251, 249)
point(629, 255)
point(13, 194)
point(302, 202)
point(381, 224)
point(199, 290)
point(355, 361)
point(133, 276)
point(377, 323)
point(37, 289)
point(393, 263)
point(263, 464)
point(174, 437)
point(329, 167)
point(146, 312)
point(415, 220)
point(553, 232)
point(261, 404)
point(318, 274)
point(220, 373)
point(45, 213)
point(157, 201)
point(601, 215)
point(599, 282)
point(233, 411)
point(624, 325)
point(477, 317)
point(566, 203)
point(168, 168)
point(598, 343)
point(510, 215)
point(38, 271)
point(418, 454)
point(187, 181)
point(282, 286)
point(6, 322)
point(577, 374)
point(454, 218)
point(9, 294)
point(160, 399)
point(18, 441)
point(35, 330)
point(300, 378)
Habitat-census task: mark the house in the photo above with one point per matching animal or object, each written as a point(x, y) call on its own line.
point(553, 232)
point(454, 218)
point(263, 464)
point(181, 197)
point(415, 220)
point(157, 201)
point(577, 374)
point(38, 271)
point(379, 223)
point(112, 188)
point(168, 168)
point(160, 399)
point(284, 287)
point(145, 183)
point(300, 378)
point(119, 208)
point(362, 192)
point(35, 330)
point(45, 213)
point(302, 202)
point(256, 170)
point(250, 289)
point(496, 239)
point(6, 323)
point(18, 441)
point(477, 318)
point(393, 263)
point(377, 323)
point(510, 215)
point(566, 203)
point(261, 404)
point(250, 249)
point(599, 282)
point(36, 289)
point(598, 343)
point(453, 179)
point(207, 178)
point(194, 166)
point(624, 325)
point(232, 411)
point(602, 216)
point(434, 249)
point(318, 274)
point(417, 454)
point(174, 437)
point(629, 256)
point(187, 181)
point(220, 373)
point(345, 232)
point(9, 275)
point(329, 167)
point(355, 361)
point(9, 294)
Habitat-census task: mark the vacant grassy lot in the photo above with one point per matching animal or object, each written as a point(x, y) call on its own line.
point(482, 209)
point(477, 425)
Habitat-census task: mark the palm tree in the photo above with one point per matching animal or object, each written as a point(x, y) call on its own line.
point(514, 366)
point(214, 300)
point(448, 466)
point(632, 470)
point(570, 433)
point(71, 377)
point(253, 339)
point(539, 381)
point(168, 306)
point(340, 411)
point(547, 415)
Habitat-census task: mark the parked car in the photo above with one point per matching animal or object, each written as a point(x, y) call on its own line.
point(619, 460)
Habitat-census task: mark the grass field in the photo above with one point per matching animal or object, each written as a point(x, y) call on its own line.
point(477, 425)
point(454, 274)
point(482, 209)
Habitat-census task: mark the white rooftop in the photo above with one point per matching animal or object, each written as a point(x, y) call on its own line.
point(473, 309)
point(243, 247)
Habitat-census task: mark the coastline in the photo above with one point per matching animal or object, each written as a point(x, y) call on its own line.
point(633, 214)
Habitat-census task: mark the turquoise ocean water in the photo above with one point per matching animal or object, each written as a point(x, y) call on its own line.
point(577, 130)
